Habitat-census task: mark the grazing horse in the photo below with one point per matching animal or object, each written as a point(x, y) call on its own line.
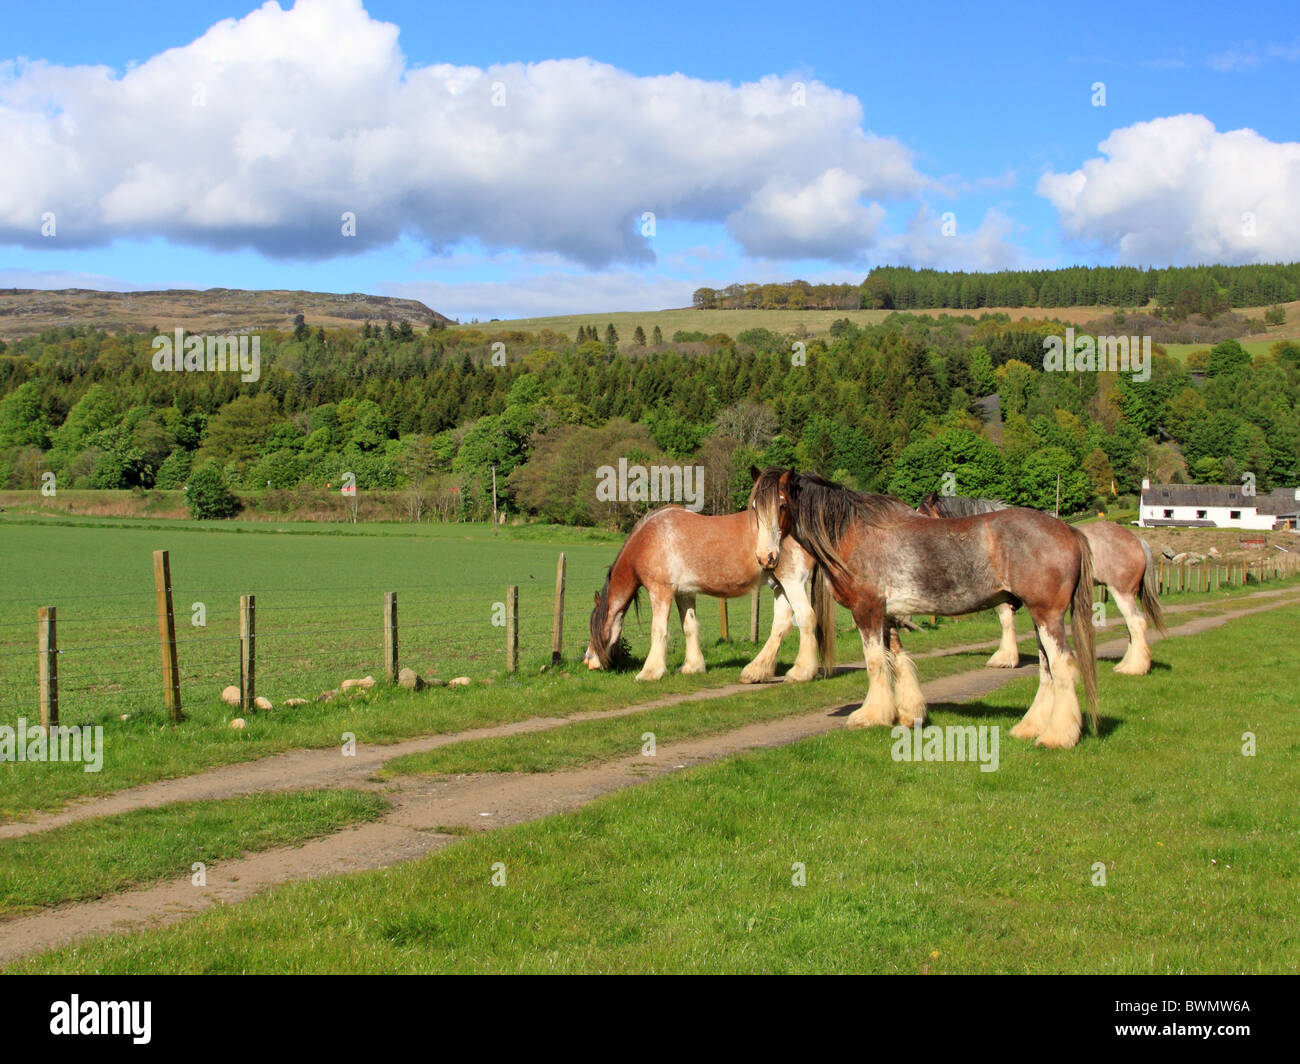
point(677, 554)
point(1120, 560)
point(884, 559)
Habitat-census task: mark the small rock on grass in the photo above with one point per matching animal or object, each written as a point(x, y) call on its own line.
point(262, 702)
point(327, 696)
point(237, 723)
point(407, 678)
point(295, 701)
point(363, 684)
point(459, 681)
point(230, 695)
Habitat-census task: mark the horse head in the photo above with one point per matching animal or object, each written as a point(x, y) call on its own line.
point(769, 506)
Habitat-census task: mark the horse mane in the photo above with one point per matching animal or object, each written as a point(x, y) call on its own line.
point(822, 511)
point(960, 506)
point(606, 654)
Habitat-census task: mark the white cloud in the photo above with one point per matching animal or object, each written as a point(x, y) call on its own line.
point(1175, 190)
point(823, 218)
point(263, 131)
point(929, 243)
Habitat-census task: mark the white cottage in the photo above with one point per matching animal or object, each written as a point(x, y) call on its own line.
point(1217, 506)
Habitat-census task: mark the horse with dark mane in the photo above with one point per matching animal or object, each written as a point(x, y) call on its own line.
point(884, 559)
point(676, 554)
point(1120, 560)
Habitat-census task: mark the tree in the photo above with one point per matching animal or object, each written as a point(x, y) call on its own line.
point(208, 497)
point(611, 337)
point(1038, 480)
point(237, 431)
point(22, 421)
point(1226, 356)
point(416, 465)
point(976, 467)
point(1097, 465)
point(638, 337)
point(658, 337)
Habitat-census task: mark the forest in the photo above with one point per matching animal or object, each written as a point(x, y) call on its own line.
point(888, 407)
point(1174, 292)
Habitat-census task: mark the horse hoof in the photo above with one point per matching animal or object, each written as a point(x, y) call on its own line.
point(1024, 731)
point(692, 670)
point(861, 719)
point(649, 677)
point(1000, 661)
point(795, 676)
point(1050, 742)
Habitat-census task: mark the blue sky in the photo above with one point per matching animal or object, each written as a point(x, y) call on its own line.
point(532, 203)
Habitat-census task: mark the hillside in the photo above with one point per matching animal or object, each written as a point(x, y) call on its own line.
point(26, 311)
point(818, 322)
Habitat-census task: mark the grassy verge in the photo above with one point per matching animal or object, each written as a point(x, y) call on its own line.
point(589, 741)
point(907, 867)
point(97, 857)
point(147, 747)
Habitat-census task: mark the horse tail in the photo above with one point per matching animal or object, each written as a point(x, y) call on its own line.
point(1081, 625)
point(619, 592)
point(823, 606)
point(1149, 592)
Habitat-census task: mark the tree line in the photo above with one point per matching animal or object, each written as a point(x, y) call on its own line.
point(1177, 290)
point(888, 407)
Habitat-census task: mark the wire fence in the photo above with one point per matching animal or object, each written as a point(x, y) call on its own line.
point(110, 650)
point(111, 654)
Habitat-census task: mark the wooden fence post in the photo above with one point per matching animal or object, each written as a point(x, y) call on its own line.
point(726, 634)
point(390, 636)
point(557, 625)
point(512, 627)
point(753, 615)
point(247, 652)
point(47, 648)
point(171, 679)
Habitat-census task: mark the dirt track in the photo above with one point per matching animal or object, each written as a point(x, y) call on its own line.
point(422, 805)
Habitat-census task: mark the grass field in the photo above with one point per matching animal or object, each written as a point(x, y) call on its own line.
point(818, 322)
point(319, 594)
point(1160, 847)
point(93, 858)
point(734, 322)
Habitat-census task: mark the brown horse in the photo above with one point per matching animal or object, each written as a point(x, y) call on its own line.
point(884, 559)
point(1120, 560)
point(677, 554)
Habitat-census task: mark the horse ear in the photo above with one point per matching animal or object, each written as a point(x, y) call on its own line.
point(755, 472)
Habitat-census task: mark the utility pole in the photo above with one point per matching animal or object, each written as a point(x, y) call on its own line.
point(494, 500)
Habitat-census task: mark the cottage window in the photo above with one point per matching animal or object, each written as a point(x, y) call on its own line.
point(1169, 514)
point(1200, 515)
point(1235, 515)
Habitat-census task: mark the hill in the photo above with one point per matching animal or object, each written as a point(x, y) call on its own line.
point(27, 311)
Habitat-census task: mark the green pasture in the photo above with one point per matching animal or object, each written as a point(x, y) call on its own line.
point(319, 602)
point(92, 858)
point(1165, 846)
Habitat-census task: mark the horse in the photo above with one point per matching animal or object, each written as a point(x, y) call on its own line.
point(884, 559)
point(676, 554)
point(1120, 560)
